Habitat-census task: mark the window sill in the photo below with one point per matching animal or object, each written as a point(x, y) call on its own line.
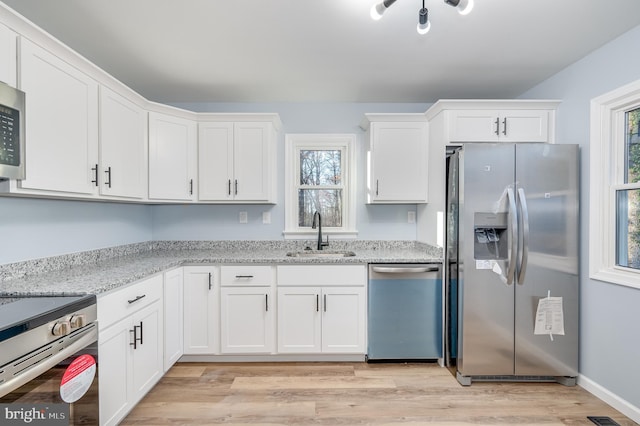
point(617, 276)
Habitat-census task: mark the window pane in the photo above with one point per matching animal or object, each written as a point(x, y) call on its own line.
point(628, 228)
point(632, 146)
point(326, 201)
point(320, 167)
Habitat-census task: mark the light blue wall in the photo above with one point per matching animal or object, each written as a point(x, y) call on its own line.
point(215, 222)
point(34, 228)
point(610, 314)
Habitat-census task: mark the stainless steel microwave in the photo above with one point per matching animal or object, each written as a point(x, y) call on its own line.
point(12, 152)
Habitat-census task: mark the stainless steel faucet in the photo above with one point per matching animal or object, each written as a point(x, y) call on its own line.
point(318, 223)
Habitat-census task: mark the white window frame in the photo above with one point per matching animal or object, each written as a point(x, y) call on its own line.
point(607, 168)
point(294, 142)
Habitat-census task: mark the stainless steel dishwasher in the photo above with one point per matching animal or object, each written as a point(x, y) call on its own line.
point(404, 312)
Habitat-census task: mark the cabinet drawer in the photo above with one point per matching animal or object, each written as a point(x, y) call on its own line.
point(324, 275)
point(118, 304)
point(246, 275)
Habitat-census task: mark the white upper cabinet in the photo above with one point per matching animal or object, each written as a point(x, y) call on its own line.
point(123, 152)
point(397, 158)
point(172, 157)
point(499, 126)
point(8, 58)
point(236, 162)
point(495, 120)
point(62, 124)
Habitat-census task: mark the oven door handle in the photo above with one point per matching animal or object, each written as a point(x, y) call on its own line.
point(90, 336)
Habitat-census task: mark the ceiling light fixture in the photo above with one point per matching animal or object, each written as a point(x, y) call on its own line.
point(463, 6)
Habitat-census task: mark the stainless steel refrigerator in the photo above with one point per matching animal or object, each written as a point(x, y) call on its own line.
point(512, 262)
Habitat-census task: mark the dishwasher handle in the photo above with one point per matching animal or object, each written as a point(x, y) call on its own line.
point(404, 269)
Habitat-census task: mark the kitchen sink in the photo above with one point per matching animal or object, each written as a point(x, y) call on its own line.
point(321, 253)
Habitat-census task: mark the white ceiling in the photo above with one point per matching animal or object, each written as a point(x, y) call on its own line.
point(330, 50)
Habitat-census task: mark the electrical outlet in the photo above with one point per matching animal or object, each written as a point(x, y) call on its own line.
point(411, 216)
point(243, 217)
point(266, 217)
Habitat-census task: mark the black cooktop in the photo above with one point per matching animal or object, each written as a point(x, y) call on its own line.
point(19, 315)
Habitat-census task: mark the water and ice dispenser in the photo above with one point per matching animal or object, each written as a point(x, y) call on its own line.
point(490, 239)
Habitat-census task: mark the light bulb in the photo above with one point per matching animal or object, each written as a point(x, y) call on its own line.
point(465, 6)
point(423, 29)
point(377, 10)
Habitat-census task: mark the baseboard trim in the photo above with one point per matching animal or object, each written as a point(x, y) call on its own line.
point(620, 404)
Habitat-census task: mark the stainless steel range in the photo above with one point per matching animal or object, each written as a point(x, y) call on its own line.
point(48, 355)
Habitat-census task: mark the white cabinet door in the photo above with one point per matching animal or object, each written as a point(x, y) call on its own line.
point(201, 310)
point(8, 58)
point(499, 125)
point(251, 153)
point(525, 126)
point(235, 162)
point(215, 162)
point(246, 320)
point(62, 123)
point(299, 320)
point(114, 364)
point(173, 317)
point(343, 320)
point(399, 162)
point(172, 157)
point(148, 350)
point(123, 153)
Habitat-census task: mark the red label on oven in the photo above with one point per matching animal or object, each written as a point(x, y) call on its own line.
point(77, 378)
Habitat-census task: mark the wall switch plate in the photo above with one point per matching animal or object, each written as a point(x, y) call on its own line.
point(266, 217)
point(243, 217)
point(411, 216)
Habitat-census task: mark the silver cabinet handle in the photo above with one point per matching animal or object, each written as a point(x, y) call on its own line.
point(377, 187)
point(136, 299)
point(317, 303)
point(108, 173)
point(325, 302)
point(209, 280)
point(504, 126)
point(497, 123)
point(266, 302)
point(404, 270)
point(190, 186)
point(522, 199)
point(248, 277)
point(236, 193)
point(229, 186)
point(95, 169)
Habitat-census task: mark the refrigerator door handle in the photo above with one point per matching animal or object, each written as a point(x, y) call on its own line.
point(522, 200)
point(513, 233)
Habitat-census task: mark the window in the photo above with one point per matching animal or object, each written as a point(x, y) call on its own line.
point(614, 251)
point(319, 177)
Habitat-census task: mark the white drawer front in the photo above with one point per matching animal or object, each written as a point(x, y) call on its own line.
point(246, 275)
point(324, 275)
point(117, 304)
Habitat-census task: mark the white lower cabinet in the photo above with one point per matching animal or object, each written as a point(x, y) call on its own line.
point(317, 318)
point(173, 317)
point(202, 310)
point(247, 310)
point(130, 349)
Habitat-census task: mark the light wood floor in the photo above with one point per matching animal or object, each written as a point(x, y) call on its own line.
point(355, 394)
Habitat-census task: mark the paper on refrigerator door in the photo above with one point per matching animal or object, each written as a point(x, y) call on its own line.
point(549, 316)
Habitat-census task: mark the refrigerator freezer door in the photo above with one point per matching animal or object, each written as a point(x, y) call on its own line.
point(486, 308)
point(547, 178)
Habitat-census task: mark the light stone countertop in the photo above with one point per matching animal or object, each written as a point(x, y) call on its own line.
point(98, 271)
